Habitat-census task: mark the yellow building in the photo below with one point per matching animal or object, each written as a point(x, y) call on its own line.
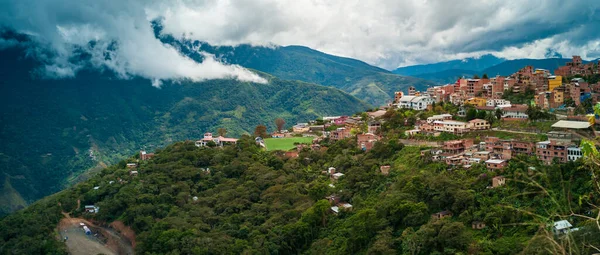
point(476, 101)
point(554, 82)
point(558, 97)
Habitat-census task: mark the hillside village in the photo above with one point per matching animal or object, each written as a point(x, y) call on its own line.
point(457, 124)
point(344, 163)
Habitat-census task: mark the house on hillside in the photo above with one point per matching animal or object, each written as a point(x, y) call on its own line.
point(278, 135)
point(561, 227)
point(91, 209)
point(385, 170)
point(498, 181)
point(441, 215)
point(301, 128)
point(495, 164)
point(340, 134)
point(220, 141)
point(131, 165)
point(440, 117)
point(478, 225)
point(146, 156)
point(515, 112)
point(479, 124)
point(366, 141)
point(341, 207)
point(415, 102)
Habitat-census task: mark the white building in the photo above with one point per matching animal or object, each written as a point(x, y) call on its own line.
point(440, 117)
point(561, 227)
point(451, 126)
point(574, 153)
point(219, 141)
point(415, 102)
point(515, 112)
point(497, 102)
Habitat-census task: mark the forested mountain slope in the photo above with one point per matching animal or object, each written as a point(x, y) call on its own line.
point(368, 83)
point(240, 199)
point(54, 129)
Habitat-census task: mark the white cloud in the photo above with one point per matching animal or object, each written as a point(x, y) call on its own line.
point(387, 33)
point(123, 40)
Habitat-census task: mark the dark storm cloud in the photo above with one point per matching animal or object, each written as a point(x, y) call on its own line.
point(387, 33)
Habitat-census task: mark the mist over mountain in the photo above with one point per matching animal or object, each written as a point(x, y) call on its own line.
point(55, 129)
point(371, 84)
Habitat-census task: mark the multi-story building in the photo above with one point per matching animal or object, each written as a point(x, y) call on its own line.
point(456, 146)
point(339, 134)
point(476, 101)
point(455, 127)
point(366, 141)
point(515, 112)
point(495, 164)
point(497, 102)
point(554, 81)
point(478, 124)
point(547, 151)
point(416, 102)
point(440, 117)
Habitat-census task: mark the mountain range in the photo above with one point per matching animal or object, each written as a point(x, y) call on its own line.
point(450, 71)
point(53, 130)
point(371, 84)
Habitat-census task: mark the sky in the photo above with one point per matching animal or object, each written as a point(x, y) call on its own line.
point(385, 33)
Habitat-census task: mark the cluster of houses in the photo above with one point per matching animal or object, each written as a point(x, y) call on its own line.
point(495, 152)
point(550, 90)
point(344, 129)
point(437, 124)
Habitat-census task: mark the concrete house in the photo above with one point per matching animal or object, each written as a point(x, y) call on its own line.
point(562, 227)
point(385, 170)
point(146, 156)
point(495, 164)
point(220, 141)
point(441, 215)
point(498, 181)
point(477, 225)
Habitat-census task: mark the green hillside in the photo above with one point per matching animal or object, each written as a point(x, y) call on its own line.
point(305, 64)
point(53, 130)
point(254, 202)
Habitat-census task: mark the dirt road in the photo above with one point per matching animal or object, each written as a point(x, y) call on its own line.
point(101, 241)
point(78, 242)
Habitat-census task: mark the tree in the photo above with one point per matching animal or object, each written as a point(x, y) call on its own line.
point(498, 113)
point(475, 76)
point(490, 118)
point(485, 76)
point(260, 131)
point(481, 114)
point(222, 131)
point(279, 122)
point(471, 114)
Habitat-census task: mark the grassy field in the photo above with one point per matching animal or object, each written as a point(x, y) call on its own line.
point(285, 144)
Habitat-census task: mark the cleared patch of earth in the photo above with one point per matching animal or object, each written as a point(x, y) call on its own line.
point(101, 241)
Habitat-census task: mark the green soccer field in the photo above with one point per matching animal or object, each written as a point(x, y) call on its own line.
point(285, 144)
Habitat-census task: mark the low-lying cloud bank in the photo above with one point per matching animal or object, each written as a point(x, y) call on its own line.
point(107, 35)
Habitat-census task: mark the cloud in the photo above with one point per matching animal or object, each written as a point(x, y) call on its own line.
point(387, 33)
point(109, 34)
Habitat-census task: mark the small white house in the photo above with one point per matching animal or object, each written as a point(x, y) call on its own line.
point(561, 227)
point(91, 209)
point(415, 102)
point(574, 153)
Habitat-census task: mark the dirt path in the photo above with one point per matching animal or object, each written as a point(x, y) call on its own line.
point(101, 241)
point(78, 242)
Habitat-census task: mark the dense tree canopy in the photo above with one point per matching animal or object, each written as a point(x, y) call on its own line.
point(253, 201)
